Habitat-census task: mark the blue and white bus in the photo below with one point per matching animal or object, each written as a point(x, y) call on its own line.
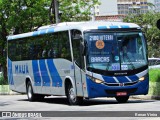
point(79, 60)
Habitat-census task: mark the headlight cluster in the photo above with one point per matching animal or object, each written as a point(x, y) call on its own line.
point(96, 80)
point(142, 78)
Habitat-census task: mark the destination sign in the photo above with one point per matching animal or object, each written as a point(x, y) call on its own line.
point(100, 37)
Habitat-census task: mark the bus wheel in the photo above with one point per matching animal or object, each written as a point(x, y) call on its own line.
point(72, 98)
point(31, 96)
point(122, 99)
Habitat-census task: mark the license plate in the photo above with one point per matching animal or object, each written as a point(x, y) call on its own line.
point(121, 93)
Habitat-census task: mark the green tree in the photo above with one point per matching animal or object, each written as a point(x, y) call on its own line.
point(148, 23)
point(74, 10)
point(20, 16)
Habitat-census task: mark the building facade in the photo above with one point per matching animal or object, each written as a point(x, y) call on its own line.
point(113, 18)
point(123, 7)
point(132, 6)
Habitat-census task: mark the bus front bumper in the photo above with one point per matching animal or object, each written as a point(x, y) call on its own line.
point(102, 90)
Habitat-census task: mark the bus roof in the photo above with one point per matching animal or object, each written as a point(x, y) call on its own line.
point(82, 26)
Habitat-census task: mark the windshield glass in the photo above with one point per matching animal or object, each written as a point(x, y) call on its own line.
point(115, 50)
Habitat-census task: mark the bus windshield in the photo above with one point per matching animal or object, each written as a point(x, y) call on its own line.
point(115, 51)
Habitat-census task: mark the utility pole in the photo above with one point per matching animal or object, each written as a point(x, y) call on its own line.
point(56, 9)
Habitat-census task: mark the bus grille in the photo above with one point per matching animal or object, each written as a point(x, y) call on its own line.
point(121, 84)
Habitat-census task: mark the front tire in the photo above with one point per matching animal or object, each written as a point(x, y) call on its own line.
point(71, 96)
point(122, 99)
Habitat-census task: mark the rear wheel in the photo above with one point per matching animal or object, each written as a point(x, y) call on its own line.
point(30, 94)
point(72, 98)
point(122, 99)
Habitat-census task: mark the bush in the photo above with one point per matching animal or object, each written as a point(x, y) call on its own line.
point(2, 81)
point(154, 75)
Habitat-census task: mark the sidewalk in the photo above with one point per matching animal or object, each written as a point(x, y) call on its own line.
point(154, 92)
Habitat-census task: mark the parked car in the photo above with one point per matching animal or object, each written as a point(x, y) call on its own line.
point(154, 62)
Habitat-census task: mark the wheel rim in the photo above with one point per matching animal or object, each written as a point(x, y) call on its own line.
point(29, 91)
point(72, 95)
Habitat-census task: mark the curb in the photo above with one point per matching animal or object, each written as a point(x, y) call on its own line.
point(10, 93)
point(146, 97)
point(142, 97)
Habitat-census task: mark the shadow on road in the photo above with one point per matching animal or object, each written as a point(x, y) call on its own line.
point(90, 102)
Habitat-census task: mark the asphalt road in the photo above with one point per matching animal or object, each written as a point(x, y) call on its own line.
point(54, 107)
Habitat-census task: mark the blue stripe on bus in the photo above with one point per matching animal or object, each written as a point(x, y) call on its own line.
point(36, 74)
point(133, 78)
point(124, 26)
point(10, 73)
point(122, 79)
point(42, 32)
point(109, 79)
point(35, 33)
point(56, 80)
point(102, 27)
point(114, 26)
point(50, 30)
point(44, 73)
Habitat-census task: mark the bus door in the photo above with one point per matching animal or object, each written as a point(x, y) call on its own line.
point(78, 61)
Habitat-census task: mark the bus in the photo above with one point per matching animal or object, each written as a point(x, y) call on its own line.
point(79, 60)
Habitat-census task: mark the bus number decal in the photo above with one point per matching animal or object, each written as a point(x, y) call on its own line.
point(115, 66)
point(124, 67)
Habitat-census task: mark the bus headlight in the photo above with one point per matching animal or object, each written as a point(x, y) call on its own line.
point(142, 78)
point(96, 80)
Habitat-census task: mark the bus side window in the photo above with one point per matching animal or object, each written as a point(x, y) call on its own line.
point(53, 48)
point(64, 46)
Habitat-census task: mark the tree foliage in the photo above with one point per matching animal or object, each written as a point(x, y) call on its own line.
point(148, 23)
point(20, 16)
point(76, 10)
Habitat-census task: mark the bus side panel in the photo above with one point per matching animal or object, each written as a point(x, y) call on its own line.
point(49, 75)
point(63, 68)
point(20, 70)
point(10, 75)
point(84, 85)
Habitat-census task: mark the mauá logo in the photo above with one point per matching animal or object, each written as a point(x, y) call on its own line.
point(21, 69)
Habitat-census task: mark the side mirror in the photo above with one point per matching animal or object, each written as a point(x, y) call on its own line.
point(158, 24)
point(76, 35)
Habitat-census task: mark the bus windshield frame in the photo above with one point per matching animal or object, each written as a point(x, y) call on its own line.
point(115, 51)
